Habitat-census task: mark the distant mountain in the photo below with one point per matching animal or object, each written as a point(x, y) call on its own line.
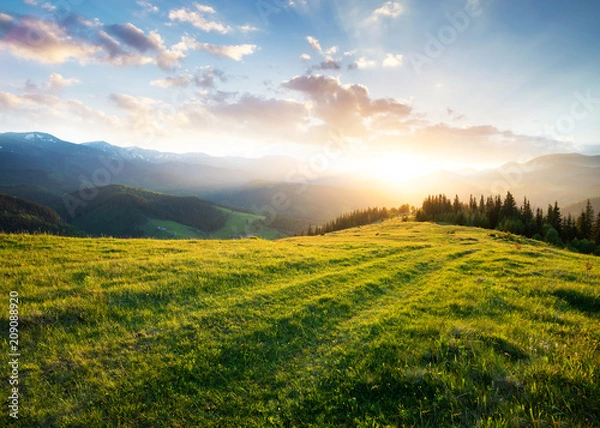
point(292, 207)
point(43, 168)
point(20, 215)
point(565, 178)
point(123, 211)
point(577, 207)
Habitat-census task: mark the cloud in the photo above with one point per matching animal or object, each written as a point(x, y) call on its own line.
point(49, 7)
point(42, 104)
point(298, 3)
point(42, 41)
point(84, 41)
point(328, 64)
point(389, 9)
point(197, 18)
point(344, 106)
point(133, 104)
point(455, 115)
point(260, 113)
point(314, 43)
point(483, 143)
point(134, 37)
point(305, 57)
point(205, 78)
point(392, 60)
point(10, 101)
point(247, 28)
point(362, 63)
point(234, 52)
point(147, 6)
point(169, 82)
point(57, 82)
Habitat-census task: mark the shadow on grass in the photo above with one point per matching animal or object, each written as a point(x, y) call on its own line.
point(579, 301)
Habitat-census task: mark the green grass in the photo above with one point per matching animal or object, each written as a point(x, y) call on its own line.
point(396, 324)
point(245, 224)
point(174, 230)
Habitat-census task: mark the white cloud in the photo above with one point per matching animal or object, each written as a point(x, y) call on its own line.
point(147, 6)
point(344, 107)
point(85, 41)
point(198, 19)
point(234, 52)
point(393, 60)
point(247, 28)
point(363, 63)
point(42, 41)
point(390, 9)
point(10, 101)
point(305, 57)
point(314, 43)
point(168, 82)
point(57, 82)
point(49, 7)
point(205, 77)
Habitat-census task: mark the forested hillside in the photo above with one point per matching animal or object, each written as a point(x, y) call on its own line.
point(581, 233)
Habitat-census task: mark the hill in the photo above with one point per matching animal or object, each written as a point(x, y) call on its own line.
point(577, 207)
point(20, 215)
point(123, 211)
point(395, 324)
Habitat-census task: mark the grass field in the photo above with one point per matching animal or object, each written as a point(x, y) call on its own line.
point(396, 324)
point(243, 224)
point(165, 229)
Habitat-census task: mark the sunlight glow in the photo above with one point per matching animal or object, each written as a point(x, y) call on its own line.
point(399, 167)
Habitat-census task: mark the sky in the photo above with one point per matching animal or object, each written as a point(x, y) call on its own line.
point(394, 88)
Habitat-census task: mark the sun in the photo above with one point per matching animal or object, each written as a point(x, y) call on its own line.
point(398, 167)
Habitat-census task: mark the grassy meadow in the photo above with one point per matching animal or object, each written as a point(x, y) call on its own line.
point(395, 324)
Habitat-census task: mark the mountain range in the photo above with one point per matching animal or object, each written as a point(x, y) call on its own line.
point(45, 169)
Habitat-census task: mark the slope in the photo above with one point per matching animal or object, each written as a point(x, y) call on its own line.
point(577, 207)
point(123, 211)
point(20, 215)
point(396, 324)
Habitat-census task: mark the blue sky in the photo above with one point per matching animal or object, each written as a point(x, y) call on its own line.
point(425, 83)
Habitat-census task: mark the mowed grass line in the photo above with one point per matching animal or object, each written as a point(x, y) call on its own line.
point(396, 324)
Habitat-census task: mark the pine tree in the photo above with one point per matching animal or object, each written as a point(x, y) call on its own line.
point(585, 223)
point(589, 216)
point(456, 205)
point(597, 230)
point(509, 207)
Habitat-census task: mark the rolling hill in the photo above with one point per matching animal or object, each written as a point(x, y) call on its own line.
point(123, 211)
point(395, 324)
point(19, 215)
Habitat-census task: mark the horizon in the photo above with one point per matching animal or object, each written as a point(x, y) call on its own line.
point(459, 170)
point(391, 88)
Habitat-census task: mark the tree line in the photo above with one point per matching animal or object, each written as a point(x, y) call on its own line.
point(581, 233)
point(359, 218)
